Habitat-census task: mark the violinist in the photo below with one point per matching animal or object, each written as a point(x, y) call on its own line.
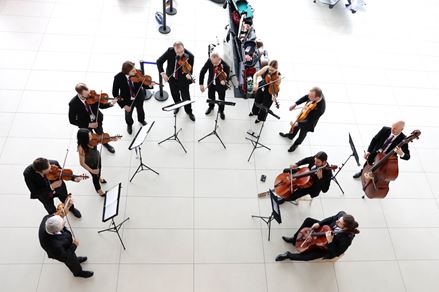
point(85, 115)
point(263, 95)
point(321, 179)
point(314, 108)
point(177, 75)
point(130, 94)
point(216, 82)
point(338, 239)
point(41, 188)
point(385, 141)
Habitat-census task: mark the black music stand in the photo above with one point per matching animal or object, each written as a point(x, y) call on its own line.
point(111, 210)
point(353, 154)
point(256, 144)
point(214, 132)
point(136, 145)
point(173, 107)
point(275, 213)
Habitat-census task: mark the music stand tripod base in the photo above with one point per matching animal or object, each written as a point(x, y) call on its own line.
point(142, 166)
point(267, 220)
point(256, 144)
point(115, 228)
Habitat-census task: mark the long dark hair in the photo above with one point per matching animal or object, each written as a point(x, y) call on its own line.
point(350, 225)
point(83, 139)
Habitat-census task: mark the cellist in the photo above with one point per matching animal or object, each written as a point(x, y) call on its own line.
point(321, 179)
point(385, 141)
point(307, 120)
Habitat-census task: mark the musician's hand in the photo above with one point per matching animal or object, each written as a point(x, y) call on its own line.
point(76, 242)
point(56, 184)
point(315, 226)
point(114, 101)
point(255, 88)
point(366, 155)
point(165, 77)
point(223, 83)
point(293, 166)
point(127, 108)
point(293, 124)
point(329, 236)
point(202, 88)
point(319, 173)
point(293, 107)
point(77, 179)
point(95, 171)
point(93, 125)
point(188, 77)
point(273, 98)
point(399, 151)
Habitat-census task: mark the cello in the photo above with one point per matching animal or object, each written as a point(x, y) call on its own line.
point(376, 178)
point(309, 238)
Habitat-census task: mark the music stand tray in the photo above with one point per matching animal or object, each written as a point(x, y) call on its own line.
point(275, 213)
point(173, 107)
point(214, 132)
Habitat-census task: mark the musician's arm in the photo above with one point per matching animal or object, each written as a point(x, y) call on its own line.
point(306, 160)
point(302, 100)
point(405, 149)
point(375, 140)
point(337, 247)
point(203, 72)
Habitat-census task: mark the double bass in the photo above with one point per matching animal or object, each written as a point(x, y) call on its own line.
point(376, 178)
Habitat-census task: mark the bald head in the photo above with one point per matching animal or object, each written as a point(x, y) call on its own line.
point(398, 127)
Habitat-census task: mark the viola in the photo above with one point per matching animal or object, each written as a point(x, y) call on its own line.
point(144, 79)
point(102, 138)
point(58, 173)
point(377, 177)
point(309, 238)
point(102, 98)
point(309, 107)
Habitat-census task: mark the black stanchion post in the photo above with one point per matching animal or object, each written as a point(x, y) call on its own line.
point(171, 10)
point(164, 29)
point(161, 95)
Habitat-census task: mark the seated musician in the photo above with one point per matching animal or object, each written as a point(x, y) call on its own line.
point(385, 141)
point(316, 105)
point(320, 179)
point(45, 190)
point(343, 226)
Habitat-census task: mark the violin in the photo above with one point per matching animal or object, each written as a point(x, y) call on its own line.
point(58, 173)
point(219, 72)
point(272, 80)
point(309, 107)
point(102, 98)
point(186, 68)
point(309, 238)
point(144, 79)
point(286, 184)
point(102, 138)
point(376, 178)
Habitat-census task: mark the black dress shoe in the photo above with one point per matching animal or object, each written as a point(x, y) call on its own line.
point(257, 121)
point(250, 114)
point(209, 110)
point(292, 148)
point(85, 274)
point(353, 11)
point(109, 148)
point(282, 257)
point(222, 116)
point(289, 239)
point(143, 123)
point(357, 175)
point(286, 135)
point(176, 111)
point(192, 117)
point(82, 259)
point(75, 212)
point(129, 129)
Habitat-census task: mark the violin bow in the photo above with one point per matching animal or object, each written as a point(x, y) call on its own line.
point(137, 93)
point(272, 82)
point(67, 201)
point(64, 163)
point(97, 112)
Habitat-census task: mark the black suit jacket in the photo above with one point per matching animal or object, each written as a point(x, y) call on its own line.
point(38, 185)
point(57, 246)
point(122, 89)
point(313, 117)
point(319, 185)
point(78, 114)
point(170, 57)
point(341, 241)
point(379, 139)
point(208, 66)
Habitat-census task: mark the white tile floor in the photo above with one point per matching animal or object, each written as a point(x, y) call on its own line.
point(190, 227)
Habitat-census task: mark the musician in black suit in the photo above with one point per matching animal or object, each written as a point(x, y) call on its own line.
point(178, 81)
point(130, 94)
point(321, 179)
point(58, 243)
point(45, 190)
point(88, 116)
point(344, 227)
point(213, 82)
point(315, 96)
point(387, 140)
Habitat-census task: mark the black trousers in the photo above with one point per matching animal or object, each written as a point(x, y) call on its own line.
point(302, 134)
point(221, 94)
point(180, 92)
point(308, 255)
point(73, 264)
point(262, 97)
point(138, 105)
point(48, 202)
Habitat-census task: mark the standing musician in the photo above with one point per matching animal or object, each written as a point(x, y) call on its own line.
point(41, 188)
point(307, 120)
point(59, 244)
point(266, 93)
point(321, 179)
point(216, 82)
point(343, 228)
point(385, 141)
point(180, 63)
point(85, 115)
point(130, 94)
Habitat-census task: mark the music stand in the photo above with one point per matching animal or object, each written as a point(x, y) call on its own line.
point(214, 132)
point(135, 144)
point(111, 210)
point(173, 107)
point(275, 213)
point(256, 144)
point(353, 154)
